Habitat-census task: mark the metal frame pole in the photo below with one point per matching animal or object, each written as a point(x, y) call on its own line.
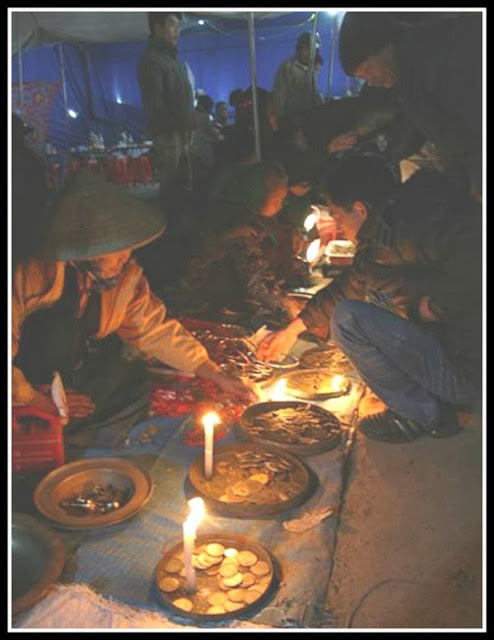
point(252, 53)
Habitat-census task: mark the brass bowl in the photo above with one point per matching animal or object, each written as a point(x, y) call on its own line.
point(69, 480)
point(38, 557)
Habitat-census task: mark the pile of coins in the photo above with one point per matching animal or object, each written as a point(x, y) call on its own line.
point(228, 579)
point(300, 423)
point(252, 478)
point(331, 358)
point(96, 499)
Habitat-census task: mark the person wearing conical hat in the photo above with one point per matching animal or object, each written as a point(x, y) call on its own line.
point(82, 290)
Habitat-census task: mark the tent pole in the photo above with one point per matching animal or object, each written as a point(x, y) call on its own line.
point(65, 106)
point(253, 80)
point(334, 29)
point(21, 75)
point(313, 51)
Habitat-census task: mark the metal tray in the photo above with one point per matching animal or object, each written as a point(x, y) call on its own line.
point(322, 372)
point(70, 479)
point(330, 441)
point(171, 567)
point(289, 482)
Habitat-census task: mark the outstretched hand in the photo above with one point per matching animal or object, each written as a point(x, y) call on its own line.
point(276, 345)
point(234, 386)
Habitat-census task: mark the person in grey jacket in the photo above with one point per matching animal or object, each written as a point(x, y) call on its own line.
point(295, 89)
point(168, 101)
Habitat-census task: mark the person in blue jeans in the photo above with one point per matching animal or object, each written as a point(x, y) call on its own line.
point(408, 311)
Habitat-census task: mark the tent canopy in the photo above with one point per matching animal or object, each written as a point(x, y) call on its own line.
point(84, 63)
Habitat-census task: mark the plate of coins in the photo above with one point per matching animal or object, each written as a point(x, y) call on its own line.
point(316, 384)
point(250, 480)
point(94, 492)
point(233, 575)
point(327, 357)
point(298, 427)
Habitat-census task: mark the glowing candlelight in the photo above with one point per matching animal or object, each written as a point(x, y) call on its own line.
point(209, 421)
point(338, 383)
point(196, 514)
point(310, 221)
point(279, 390)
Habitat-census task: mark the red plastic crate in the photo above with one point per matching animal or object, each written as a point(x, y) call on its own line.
point(37, 440)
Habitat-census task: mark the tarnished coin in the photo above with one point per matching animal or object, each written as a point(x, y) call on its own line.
point(248, 579)
point(215, 549)
point(231, 497)
point(251, 596)
point(198, 564)
point(222, 585)
point(260, 568)
point(260, 586)
point(216, 609)
point(173, 565)
point(207, 560)
point(229, 569)
point(253, 485)
point(217, 597)
point(233, 606)
point(263, 478)
point(183, 603)
point(168, 584)
point(234, 581)
point(241, 489)
point(231, 552)
point(247, 558)
point(236, 595)
point(212, 571)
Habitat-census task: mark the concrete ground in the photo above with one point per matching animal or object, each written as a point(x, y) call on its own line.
point(408, 552)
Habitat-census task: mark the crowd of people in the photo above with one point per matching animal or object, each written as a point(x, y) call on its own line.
point(399, 168)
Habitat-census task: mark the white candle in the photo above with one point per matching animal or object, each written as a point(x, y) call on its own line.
point(189, 528)
point(209, 421)
point(197, 512)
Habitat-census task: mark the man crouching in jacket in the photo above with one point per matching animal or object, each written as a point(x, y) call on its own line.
point(408, 311)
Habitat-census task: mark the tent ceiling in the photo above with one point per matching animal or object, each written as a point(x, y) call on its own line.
point(31, 28)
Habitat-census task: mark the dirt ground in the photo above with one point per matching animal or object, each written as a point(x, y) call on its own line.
point(408, 552)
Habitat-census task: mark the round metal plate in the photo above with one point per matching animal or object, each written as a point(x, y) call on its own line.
point(327, 357)
point(328, 436)
point(285, 364)
point(38, 557)
point(250, 481)
point(69, 480)
point(248, 595)
point(311, 384)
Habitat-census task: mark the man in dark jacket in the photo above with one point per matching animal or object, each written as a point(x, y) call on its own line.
point(408, 312)
point(168, 101)
point(437, 69)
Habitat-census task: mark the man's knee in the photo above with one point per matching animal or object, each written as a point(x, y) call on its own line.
point(344, 314)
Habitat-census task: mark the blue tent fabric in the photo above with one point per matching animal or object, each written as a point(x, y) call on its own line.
point(101, 77)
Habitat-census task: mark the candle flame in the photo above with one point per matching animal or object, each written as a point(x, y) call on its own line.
point(338, 383)
point(279, 390)
point(211, 419)
point(197, 510)
point(313, 250)
point(310, 221)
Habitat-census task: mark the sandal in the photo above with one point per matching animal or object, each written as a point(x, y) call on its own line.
point(388, 426)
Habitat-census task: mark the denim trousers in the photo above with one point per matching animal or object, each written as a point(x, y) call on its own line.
point(403, 364)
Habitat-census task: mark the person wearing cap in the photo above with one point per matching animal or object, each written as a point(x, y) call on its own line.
point(408, 311)
point(436, 67)
point(82, 289)
point(294, 90)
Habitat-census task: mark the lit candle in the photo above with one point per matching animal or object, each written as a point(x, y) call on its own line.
point(338, 383)
point(209, 421)
point(196, 514)
point(279, 389)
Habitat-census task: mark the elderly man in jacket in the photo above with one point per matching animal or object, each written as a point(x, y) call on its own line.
point(408, 311)
point(82, 288)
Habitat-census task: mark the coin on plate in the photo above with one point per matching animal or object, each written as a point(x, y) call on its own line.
point(260, 568)
point(233, 606)
point(247, 558)
point(173, 565)
point(215, 610)
point(183, 603)
point(236, 595)
point(217, 597)
point(228, 570)
point(252, 596)
point(215, 549)
point(168, 584)
point(234, 581)
point(248, 579)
